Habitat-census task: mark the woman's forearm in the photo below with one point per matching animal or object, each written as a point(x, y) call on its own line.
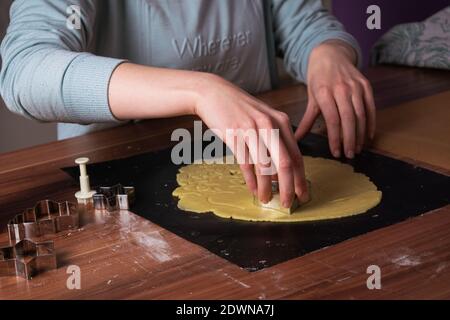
point(142, 92)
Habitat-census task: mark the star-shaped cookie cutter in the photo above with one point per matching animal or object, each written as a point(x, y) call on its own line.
point(27, 258)
point(46, 217)
point(116, 197)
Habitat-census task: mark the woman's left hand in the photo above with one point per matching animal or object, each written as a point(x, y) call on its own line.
point(338, 91)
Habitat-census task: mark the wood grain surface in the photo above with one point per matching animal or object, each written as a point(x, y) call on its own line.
point(424, 134)
point(123, 256)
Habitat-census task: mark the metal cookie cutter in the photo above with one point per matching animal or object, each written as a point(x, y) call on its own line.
point(27, 258)
point(275, 203)
point(46, 217)
point(114, 198)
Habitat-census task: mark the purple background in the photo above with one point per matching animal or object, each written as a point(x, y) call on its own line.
point(353, 15)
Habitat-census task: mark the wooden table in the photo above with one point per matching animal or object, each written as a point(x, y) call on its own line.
point(125, 256)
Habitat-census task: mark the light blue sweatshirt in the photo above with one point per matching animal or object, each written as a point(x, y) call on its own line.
point(54, 71)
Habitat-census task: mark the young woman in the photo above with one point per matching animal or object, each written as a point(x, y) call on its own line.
point(89, 64)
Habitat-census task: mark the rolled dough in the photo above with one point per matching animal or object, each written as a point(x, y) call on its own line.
point(336, 191)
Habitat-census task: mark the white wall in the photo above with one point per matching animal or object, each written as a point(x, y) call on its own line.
point(17, 132)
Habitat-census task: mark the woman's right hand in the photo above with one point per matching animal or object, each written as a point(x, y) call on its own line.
point(161, 93)
point(229, 111)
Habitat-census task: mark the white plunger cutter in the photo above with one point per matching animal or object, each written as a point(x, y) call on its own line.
point(85, 194)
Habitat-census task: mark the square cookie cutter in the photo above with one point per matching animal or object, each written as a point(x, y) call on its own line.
point(275, 203)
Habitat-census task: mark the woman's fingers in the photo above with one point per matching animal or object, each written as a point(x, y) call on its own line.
point(360, 114)
point(370, 108)
point(347, 116)
point(246, 137)
point(272, 149)
point(264, 182)
point(349, 113)
point(330, 113)
point(277, 143)
point(300, 186)
point(235, 140)
point(285, 174)
point(248, 171)
point(310, 116)
point(279, 156)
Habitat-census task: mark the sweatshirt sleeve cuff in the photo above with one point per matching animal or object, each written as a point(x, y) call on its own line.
point(334, 35)
point(85, 88)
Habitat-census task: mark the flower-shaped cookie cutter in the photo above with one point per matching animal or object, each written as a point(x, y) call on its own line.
point(27, 258)
point(46, 217)
point(116, 197)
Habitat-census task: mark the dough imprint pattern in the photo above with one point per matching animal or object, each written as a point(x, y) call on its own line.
point(336, 192)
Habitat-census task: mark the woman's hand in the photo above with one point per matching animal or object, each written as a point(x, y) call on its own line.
point(162, 92)
point(344, 97)
point(226, 108)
